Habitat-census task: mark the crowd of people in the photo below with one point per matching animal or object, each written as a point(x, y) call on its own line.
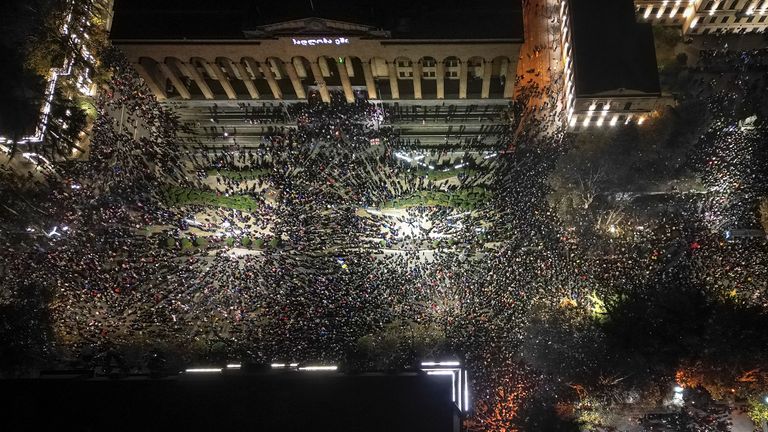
point(344, 268)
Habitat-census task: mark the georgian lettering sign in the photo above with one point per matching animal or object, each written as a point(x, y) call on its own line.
point(320, 41)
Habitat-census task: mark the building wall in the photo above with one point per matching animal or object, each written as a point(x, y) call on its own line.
point(706, 16)
point(613, 110)
point(288, 68)
point(620, 108)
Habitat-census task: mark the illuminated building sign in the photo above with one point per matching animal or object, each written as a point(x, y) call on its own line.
point(321, 41)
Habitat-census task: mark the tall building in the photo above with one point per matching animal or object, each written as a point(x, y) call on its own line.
point(700, 17)
point(286, 50)
point(611, 76)
point(263, 401)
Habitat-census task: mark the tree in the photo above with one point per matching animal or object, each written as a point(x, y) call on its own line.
point(764, 214)
point(589, 185)
point(757, 409)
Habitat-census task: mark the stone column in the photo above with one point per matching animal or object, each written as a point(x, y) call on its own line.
point(463, 79)
point(440, 76)
point(190, 71)
point(393, 80)
point(487, 69)
point(223, 80)
point(370, 84)
point(295, 81)
point(252, 90)
point(266, 70)
point(348, 94)
point(509, 81)
point(180, 87)
point(157, 88)
point(416, 68)
point(324, 94)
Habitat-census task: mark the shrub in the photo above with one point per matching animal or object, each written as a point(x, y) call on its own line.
point(259, 243)
point(245, 241)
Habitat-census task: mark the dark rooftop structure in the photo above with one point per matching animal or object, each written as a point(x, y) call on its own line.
point(403, 19)
point(612, 52)
point(291, 401)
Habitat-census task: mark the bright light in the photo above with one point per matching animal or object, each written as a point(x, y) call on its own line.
point(204, 370)
point(641, 120)
point(678, 389)
point(441, 363)
point(293, 364)
point(403, 157)
point(466, 391)
point(613, 120)
point(440, 372)
point(233, 366)
point(319, 368)
point(278, 365)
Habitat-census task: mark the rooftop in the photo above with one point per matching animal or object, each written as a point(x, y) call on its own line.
point(612, 51)
point(404, 19)
point(288, 401)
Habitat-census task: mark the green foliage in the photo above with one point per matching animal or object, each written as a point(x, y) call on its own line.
point(230, 241)
point(274, 243)
point(177, 196)
point(437, 175)
point(245, 241)
point(170, 242)
point(259, 243)
point(757, 409)
point(467, 199)
point(240, 175)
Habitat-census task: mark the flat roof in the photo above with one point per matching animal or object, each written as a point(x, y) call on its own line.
point(290, 401)
point(405, 19)
point(611, 50)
